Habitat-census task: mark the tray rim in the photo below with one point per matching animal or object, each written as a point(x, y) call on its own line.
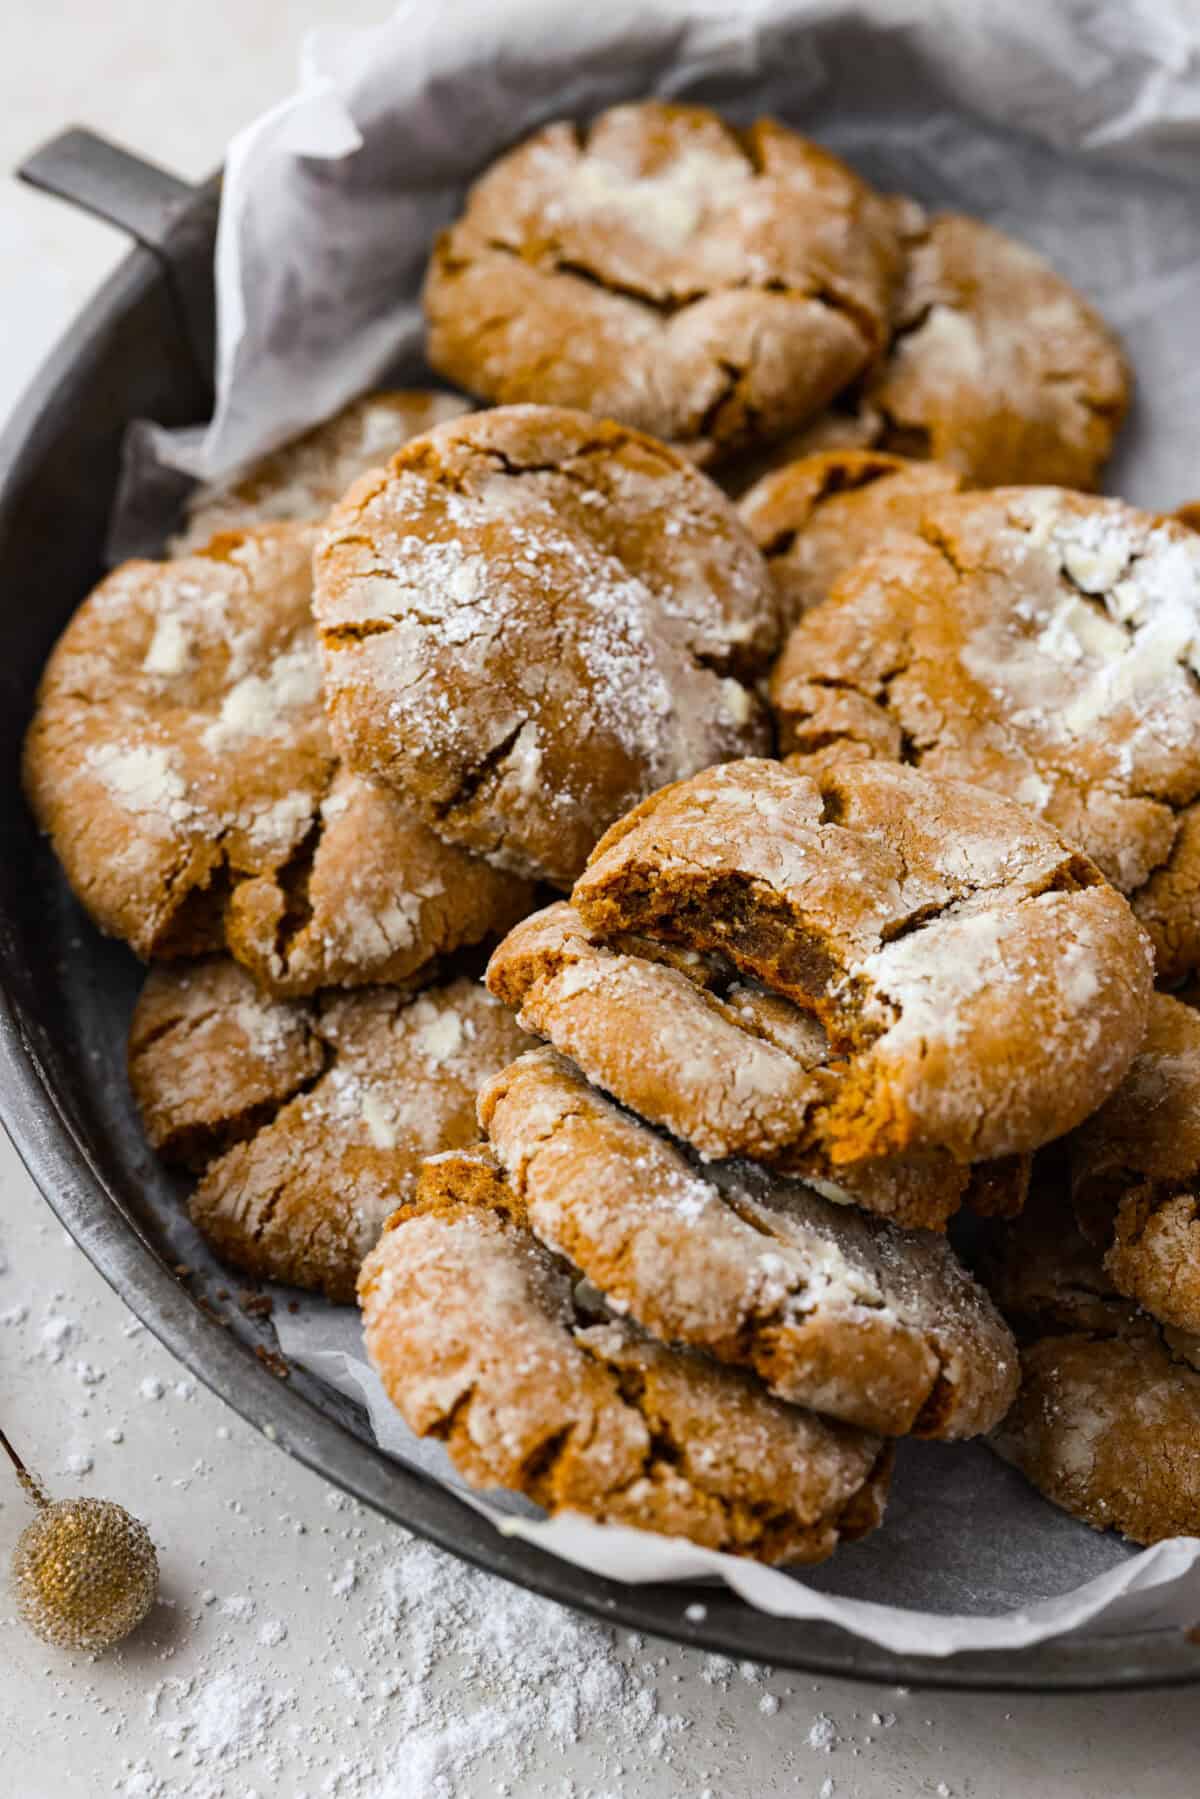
point(89, 1209)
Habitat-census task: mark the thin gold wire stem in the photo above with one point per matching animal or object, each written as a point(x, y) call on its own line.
point(31, 1485)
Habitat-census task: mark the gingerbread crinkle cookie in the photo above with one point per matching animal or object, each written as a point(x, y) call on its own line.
point(531, 619)
point(712, 286)
point(982, 988)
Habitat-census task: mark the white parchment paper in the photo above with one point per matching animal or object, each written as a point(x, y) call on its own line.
point(1074, 124)
point(962, 1533)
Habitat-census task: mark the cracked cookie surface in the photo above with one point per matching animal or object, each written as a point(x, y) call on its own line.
point(714, 287)
point(1135, 1171)
point(304, 478)
point(815, 517)
point(374, 896)
point(474, 1330)
point(1039, 642)
point(732, 1069)
point(530, 619)
point(831, 1308)
point(998, 367)
point(849, 427)
point(1107, 1421)
point(981, 985)
point(180, 762)
point(310, 1120)
point(210, 1057)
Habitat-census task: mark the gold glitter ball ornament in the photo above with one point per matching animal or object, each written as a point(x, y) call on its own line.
point(85, 1573)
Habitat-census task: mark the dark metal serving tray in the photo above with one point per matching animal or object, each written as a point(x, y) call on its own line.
point(143, 348)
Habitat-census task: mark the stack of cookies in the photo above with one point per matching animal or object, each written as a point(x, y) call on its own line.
point(829, 808)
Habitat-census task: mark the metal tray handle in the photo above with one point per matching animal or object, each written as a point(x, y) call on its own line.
point(169, 217)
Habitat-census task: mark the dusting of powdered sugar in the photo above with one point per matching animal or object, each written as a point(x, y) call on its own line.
point(269, 1028)
point(282, 823)
point(1109, 641)
point(262, 705)
point(931, 976)
point(143, 779)
point(666, 208)
point(302, 480)
point(441, 1681)
point(171, 646)
point(523, 627)
point(948, 340)
point(308, 1650)
point(447, 603)
point(438, 1035)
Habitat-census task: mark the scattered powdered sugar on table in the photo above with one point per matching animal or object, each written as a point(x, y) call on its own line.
point(306, 1650)
point(451, 1667)
point(56, 1334)
point(823, 1734)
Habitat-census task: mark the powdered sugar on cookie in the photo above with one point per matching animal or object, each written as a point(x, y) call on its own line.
point(309, 1121)
point(513, 641)
point(260, 705)
point(980, 985)
point(998, 365)
point(303, 479)
point(831, 1308)
point(144, 779)
point(714, 287)
point(1041, 643)
point(586, 1416)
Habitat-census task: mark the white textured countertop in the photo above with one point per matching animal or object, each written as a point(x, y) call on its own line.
point(303, 1647)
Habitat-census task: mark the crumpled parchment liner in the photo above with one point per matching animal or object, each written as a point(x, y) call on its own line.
point(1074, 124)
point(962, 1531)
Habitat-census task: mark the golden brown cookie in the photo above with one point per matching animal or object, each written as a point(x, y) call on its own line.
point(1107, 1422)
point(831, 1308)
point(998, 367)
point(1135, 1171)
point(1168, 903)
point(999, 1189)
point(1189, 515)
point(530, 619)
point(1046, 1277)
point(982, 986)
point(330, 1108)
point(850, 424)
point(1041, 643)
point(712, 286)
point(373, 896)
point(476, 1335)
point(180, 762)
point(211, 1057)
point(178, 737)
point(304, 478)
point(1109, 1429)
point(716, 1060)
point(814, 518)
